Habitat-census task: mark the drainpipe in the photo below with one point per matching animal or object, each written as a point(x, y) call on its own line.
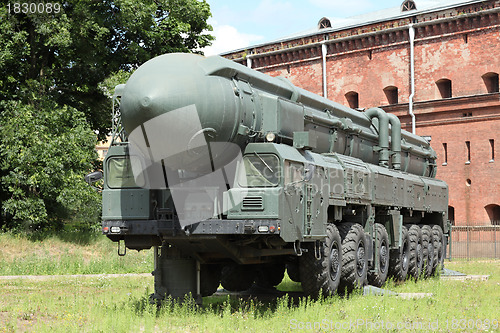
point(411, 32)
point(249, 62)
point(324, 50)
point(383, 134)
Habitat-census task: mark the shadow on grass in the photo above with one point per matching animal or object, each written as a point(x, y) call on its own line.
point(80, 234)
point(252, 303)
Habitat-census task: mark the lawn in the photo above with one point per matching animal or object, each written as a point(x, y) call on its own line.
point(68, 252)
point(120, 304)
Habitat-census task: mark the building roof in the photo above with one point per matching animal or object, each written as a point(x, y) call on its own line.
point(394, 13)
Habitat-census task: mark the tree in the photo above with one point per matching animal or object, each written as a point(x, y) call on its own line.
point(72, 51)
point(44, 156)
point(54, 68)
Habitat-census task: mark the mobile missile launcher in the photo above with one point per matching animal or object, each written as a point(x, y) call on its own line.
point(233, 177)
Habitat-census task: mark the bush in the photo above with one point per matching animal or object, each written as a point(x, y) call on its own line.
point(45, 152)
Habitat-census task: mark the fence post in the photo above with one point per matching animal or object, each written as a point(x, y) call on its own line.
point(495, 240)
point(468, 240)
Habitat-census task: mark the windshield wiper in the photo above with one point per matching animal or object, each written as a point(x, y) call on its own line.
point(267, 166)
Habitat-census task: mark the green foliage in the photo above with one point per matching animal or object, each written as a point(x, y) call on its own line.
point(70, 53)
point(58, 71)
point(44, 156)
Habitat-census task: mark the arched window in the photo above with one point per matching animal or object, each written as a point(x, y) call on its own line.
point(353, 99)
point(451, 214)
point(444, 86)
point(491, 81)
point(408, 5)
point(391, 93)
point(324, 23)
point(493, 212)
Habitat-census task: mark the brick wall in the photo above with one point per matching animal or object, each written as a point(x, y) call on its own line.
point(459, 44)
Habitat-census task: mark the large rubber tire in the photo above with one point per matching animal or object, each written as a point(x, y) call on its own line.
point(209, 279)
point(428, 250)
point(416, 255)
point(323, 275)
point(400, 258)
point(270, 275)
point(354, 257)
point(237, 277)
point(293, 271)
point(377, 276)
point(439, 247)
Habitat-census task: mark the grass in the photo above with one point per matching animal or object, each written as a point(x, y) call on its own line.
point(70, 252)
point(121, 304)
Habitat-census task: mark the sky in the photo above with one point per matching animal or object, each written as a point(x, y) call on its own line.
point(238, 24)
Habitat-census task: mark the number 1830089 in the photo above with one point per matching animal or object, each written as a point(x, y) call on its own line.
point(34, 8)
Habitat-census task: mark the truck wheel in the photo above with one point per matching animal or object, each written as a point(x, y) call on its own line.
point(322, 275)
point(416, 255)
point(354, 257)
point(270, 275)
point(439, 247)
point(399, 262)
point(209, 279)
point(378, 276)
point(237, 277)
point(427, 250)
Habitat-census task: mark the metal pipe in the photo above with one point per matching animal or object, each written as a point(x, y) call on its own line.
point(383, 134)
point(395, 140)
point(411, 32)
point(324, 51)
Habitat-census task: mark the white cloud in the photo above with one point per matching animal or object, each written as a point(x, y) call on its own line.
point(228, 38)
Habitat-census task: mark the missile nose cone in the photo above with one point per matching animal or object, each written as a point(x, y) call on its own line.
point(178, 87)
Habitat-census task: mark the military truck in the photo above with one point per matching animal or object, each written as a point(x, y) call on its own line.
point(233, 177)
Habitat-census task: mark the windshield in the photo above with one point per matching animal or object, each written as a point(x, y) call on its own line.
point(259, 170)
point(120, 173)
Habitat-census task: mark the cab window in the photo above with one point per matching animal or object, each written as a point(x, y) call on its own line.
point(120, 174)
point(259, 170)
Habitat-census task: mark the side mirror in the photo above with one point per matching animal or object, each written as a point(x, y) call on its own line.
point(309, 172)
point(93, 177)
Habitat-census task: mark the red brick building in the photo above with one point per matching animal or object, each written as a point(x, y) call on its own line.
point(439, 62)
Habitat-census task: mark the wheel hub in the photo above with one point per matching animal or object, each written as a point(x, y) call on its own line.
point(334, 262)
point(384, 257)
point(360, 259)
point(420, 254)
point(405, 257)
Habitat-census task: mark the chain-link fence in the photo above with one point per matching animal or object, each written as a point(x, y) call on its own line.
point(475, 242)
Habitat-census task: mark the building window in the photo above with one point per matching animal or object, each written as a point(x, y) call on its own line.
point(445, 147)
point(467, 145)
point(492, 146)
point(491, 82)
point(444, 86)
point(391, 93)
point(353, 99)
point(408, 5)
point(493, 212)
point(324, 23)
point(451, 214)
